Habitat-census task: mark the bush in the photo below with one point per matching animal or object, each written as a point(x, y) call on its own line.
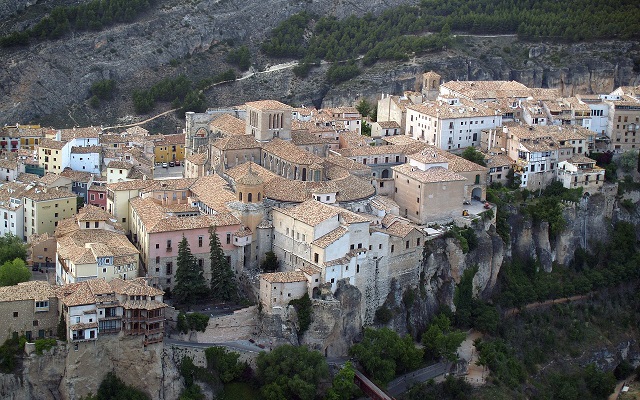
point(339, 73)
point(103, 89)
point(192, 322)
point(44, 345)
point(304, 309)
point(383, 315)
point(241, 57)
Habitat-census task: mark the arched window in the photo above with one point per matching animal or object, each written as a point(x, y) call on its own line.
point(250, 197)
point(385, 173)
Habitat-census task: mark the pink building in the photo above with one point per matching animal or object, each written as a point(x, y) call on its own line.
point(97, 196)
point(158, 228)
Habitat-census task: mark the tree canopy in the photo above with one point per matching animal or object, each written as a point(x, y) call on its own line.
point(190, 283)
point(223, 286)
point(440, 340)
point(343, 386)
point(291, 372)
point(473, 155)
point(12, 247)
point(14, 272)
point(383, 354)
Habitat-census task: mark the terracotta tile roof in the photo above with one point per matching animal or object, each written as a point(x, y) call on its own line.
point(86, 292)
point(443, 110)
point(87, 325)
point(289, 152)
point(134, 287)
point(388, 124)
point(311, 212)
point(301, 138)
point(284, 277)
point(236, 143)
point(116, 164)
point(197, 158)
point(168, 140)
point(44, 194)
point(113, 139)
point(137, 130)
point(347, 163)
point(73, 133)
point(488, 89)
point(324, 241)
point(250, 178)
point(156, 220)
point(370, 151)
point(25, 131)
point(581, 159)
point(354, 139)
point(51, 144)
point(49, 178)
point(8, 164)
point(228, 125)
point(268, 105)
point(349, 188)
point(129, 185)
point(31, 290)
point(142, 304)
point(86, 149)
point(430, 155)
point(384, 203)
point(400, 228)
point(241, 170)
point(459, 164)
point(431, 175)
point(83, 246)
point(214, 192)
point(76, 176)
point(169, 184)
point(92, 213)
point(310, 270)
point(27, 178)
point(499, 160)
point(400, 140)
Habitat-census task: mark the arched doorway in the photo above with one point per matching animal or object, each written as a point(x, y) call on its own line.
point(385, 173)
point(476, 194)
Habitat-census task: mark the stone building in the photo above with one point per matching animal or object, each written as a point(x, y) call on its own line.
point(29, 309)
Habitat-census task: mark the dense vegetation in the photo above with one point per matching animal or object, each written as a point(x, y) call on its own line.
point(92, 16)
point(180, 91)
point(304, 309)
point(14, 272)
point(12, 247)
point(113, 388)
point(402, 30)
point(192, 322)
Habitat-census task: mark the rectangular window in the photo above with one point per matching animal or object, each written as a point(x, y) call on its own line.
point(406, 245)
point(169, 268)
point(392, 248)
point(169, 244)
point(228, 238)
point(315, 257)
point(199, 241)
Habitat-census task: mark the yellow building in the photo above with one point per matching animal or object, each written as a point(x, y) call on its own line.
point(53, 155)
point(44, 207)
point(168, 148)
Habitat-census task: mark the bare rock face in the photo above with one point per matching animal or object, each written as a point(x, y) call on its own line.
point(66, 373)
point(336, 323)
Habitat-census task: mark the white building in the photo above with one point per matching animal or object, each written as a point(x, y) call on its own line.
point(450, 123)
point(11, 209)
point(581, 172)
point(86, 159)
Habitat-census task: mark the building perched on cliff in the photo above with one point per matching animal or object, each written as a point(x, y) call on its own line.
point(95, 307)
point(29, 309)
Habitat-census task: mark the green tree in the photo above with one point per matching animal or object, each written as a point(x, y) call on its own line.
point(223, 286)
point(113, 388)
point(190, 283)
point(629, 161)
point(224, 363)
point(600, 384)
point(364, 107)
point(270, 263)
point(383, 354)
point(291, 372)
point(241, 57)
point(14, 272)
point(12, 247)
point(62, 329)
point(440, 341)
point(103, 89)
point(304, 309)
point(473, 155)
point(343, 386)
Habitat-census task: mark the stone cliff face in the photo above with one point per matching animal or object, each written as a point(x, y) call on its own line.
point(49, 81)
point(66, 373)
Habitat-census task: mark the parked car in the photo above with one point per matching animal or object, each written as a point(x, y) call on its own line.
point(172, 164)
point(165, 165)
point(177, 163)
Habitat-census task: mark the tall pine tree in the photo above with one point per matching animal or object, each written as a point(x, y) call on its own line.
point(223, 286)
point(190, 283)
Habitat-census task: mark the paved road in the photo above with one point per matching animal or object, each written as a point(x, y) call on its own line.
point(168, 173)
point(405, 382)
point(237, 345)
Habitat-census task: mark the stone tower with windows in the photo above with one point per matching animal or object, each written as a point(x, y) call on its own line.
point(268, 119)
point(431, 85)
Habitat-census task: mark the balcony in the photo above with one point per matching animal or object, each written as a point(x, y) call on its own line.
point(169, 249)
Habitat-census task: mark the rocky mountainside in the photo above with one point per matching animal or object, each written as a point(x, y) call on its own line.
point(49, 81)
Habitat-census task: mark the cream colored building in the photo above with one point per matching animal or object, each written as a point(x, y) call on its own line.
point(581, 172)
point(45, 207)
point(279, 288)
point(118, 196)
point(91, 244)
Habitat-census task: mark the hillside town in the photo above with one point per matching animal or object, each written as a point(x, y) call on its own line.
point(333, 195)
